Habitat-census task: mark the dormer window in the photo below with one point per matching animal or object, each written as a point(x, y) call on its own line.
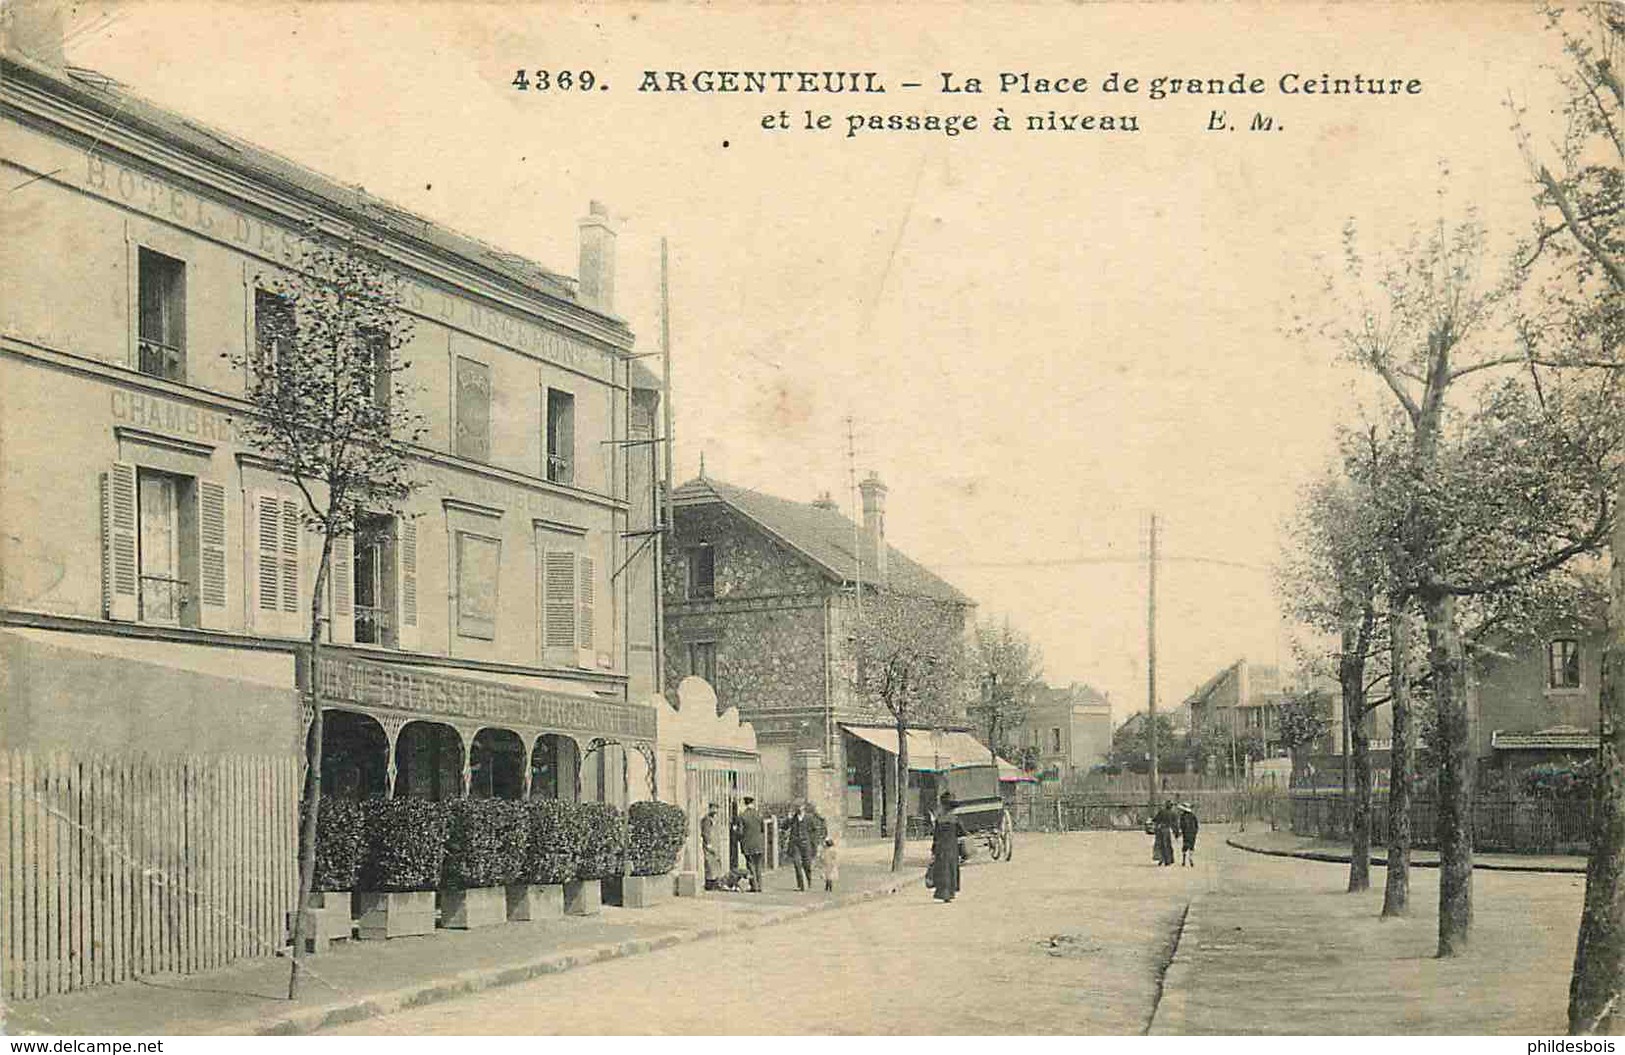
point(1563, 664)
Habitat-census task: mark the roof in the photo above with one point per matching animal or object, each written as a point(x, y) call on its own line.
point(111, 100)
point(931, 752)
point(824, 536)
point(1558, 737)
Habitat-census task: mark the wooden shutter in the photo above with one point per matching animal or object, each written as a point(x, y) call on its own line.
point(559, 601)
point(341, 621)
point(211, 533)
point(406, 578)
point(291, 530)
point(265, 532)
point(584, 613)
point(120, 576)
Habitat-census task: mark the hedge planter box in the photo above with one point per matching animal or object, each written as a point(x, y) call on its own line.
point(583, 897)
point(647, 891)
point(528, 902)
point(327, 919)
point(394, 913)
point(475, 907)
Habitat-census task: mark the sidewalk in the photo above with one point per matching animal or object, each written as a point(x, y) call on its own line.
point(1287, 844)
point(362, 979)
point(1278, 946)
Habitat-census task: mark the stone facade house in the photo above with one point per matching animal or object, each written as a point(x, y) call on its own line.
point(759, 597)
point(1067, 732)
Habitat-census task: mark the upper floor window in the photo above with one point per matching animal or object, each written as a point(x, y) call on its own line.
point(702, 660)
point(702, 572)
point(1563, 664)
point(375, 580)
point(161, 325)
point(479, 561)
point(1055, 739)
point(561, 436)
point(473, 425)
point(273, 328)
point(383, 373)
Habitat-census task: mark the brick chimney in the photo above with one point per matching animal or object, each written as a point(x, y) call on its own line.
point(34, 28)
point(824, 501)
point(597, 266)
point(874, 522)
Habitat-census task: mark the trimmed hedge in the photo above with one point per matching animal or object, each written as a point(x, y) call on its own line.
point(405, 844)
point(601, 829)
point(553, 849)
point(341, 836)
point(486, 841)
point(655, 834)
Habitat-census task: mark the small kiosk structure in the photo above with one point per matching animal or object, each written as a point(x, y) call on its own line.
point(707, 757)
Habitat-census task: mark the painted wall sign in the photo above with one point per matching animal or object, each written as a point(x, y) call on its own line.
point(366, 683)
point(172, 418)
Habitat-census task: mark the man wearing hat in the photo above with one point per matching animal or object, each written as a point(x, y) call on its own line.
point(752, 842)
point(1188, 827)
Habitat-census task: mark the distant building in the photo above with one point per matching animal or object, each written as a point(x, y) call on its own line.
point(1538, 704)
point(760, 595)
point(1067, 732)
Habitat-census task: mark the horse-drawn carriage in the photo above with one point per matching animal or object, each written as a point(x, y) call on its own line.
point(979, 807)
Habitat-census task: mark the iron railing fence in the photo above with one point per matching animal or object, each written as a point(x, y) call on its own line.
point(1533, 826)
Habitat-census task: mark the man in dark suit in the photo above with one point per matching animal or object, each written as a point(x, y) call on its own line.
point(798, 838)
point(752, 842)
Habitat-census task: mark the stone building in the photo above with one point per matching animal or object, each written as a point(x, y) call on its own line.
point(759, 594)
point(1067, 732)
point(154, 578)
point(1536, 704)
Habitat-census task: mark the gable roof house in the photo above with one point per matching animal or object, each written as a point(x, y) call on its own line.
point(759, 594)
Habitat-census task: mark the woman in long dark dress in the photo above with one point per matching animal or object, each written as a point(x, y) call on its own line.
point(945, 835)
point(1165, 820)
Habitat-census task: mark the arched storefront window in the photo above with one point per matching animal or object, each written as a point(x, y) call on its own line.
point(428, 762)
point(355, 755)
point(497, 763)
point(553, 767)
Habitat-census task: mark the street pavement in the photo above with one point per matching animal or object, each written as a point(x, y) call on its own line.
point(1075, 936)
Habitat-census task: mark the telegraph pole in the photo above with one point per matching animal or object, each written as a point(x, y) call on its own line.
point(857, 539)
point(1151, 660)
point(662, 513)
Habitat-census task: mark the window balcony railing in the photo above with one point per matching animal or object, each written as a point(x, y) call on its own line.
point(162, 360)
point(558, 469)
point(373, 625)
point(164, 600)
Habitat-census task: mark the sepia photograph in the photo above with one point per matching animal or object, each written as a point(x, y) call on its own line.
point(608, 518)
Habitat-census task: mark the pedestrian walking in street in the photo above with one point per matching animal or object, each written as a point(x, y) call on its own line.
point(1188, 827)
point(752, 842)
point(798, 837)
point(1166, 820)
point(945, 834)
point(830, 862)
point(711, 846)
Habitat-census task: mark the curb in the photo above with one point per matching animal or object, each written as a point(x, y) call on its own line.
point(464, 983)
point(1381, 860)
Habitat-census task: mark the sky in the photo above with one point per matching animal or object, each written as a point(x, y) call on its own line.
point(1041, 338)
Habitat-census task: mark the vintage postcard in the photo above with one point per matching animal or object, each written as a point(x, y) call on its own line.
point(811, 518)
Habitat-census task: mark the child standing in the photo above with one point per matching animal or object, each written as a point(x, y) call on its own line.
point(830, 860)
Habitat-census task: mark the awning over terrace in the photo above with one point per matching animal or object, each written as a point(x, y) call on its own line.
point(930, 751)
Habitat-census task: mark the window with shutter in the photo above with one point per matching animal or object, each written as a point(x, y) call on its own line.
point(341, 623)
point(211, 518)
point(267, 531)
point(584, 613)
point(290, 556)
point(409, 572)
point(120, 587)
point(558, 599)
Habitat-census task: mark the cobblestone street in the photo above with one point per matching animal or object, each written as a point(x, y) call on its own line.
point(1072, 937)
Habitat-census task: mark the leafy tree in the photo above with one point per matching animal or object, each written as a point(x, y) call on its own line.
point(1008, 668)
point(331, 414)
point(1131, 744)
point(910, 654)
point(1305, 719)
point(1581, 244)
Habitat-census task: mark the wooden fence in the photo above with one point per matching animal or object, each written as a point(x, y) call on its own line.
point(115, 867)
point(1544, 826)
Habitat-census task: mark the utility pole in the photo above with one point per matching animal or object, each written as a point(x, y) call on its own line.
point(662, 512)
point(857, 530)
point(1151, 660)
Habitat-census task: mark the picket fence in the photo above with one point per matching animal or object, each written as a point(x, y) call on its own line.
point(118, 867)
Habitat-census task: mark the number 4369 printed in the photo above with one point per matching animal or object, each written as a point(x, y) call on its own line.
point(557, 80)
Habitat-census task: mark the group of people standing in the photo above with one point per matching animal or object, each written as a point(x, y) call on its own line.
point(1171, 819)
point(749, 832)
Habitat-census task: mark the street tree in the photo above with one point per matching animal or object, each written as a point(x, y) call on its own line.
point(1580, 243)
point(330, 412)
point(1131, 744)
point(1505, 480)
point(1008, 668)
point(911, 662)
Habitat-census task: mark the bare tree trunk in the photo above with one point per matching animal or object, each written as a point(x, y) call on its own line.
point(313, 776)
point(1351, 676)
point(1455, 778)
point(900, 828)
point(1396, 891)
point(1599, 956)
